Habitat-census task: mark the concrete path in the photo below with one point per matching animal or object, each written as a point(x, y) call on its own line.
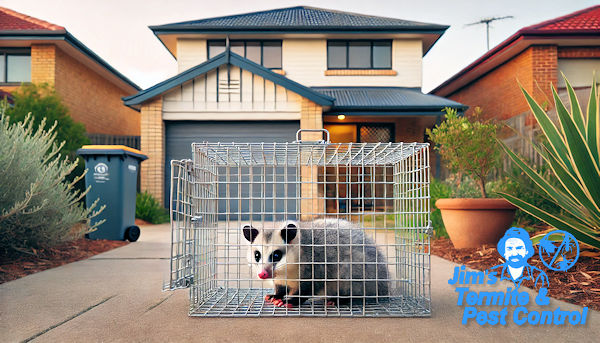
point(116, 296)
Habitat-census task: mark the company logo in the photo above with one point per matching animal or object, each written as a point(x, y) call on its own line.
point(555, 255)
point(516, 248)
point(101, 173)
point(101, 168)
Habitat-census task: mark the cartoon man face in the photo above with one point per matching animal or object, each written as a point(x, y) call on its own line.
point(515, 252)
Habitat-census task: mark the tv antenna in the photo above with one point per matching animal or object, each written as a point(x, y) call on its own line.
point(487, 22)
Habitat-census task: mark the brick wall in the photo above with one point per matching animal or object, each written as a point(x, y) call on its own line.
point(153, 144)
point(579, 52)
point(545, 72)
point(42, 63)
point(498, 93)
point(92, 100)
point(312, 203)
point(311, 117)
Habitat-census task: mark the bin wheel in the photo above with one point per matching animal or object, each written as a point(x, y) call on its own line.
point(132, 233)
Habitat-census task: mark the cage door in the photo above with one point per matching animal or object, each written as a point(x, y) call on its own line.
point(182, 225)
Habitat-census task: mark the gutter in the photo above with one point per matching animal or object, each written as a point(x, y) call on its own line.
point(69, 38)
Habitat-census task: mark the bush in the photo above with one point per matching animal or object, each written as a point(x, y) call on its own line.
point(43, 99)
point(438, 190)
point(467, 147)
point(149, 209)
point(518, 184)
point(38, 207)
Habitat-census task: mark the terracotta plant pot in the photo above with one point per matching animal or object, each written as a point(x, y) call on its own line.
point(470, 223)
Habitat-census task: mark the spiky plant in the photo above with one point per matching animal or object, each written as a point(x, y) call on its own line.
point(572, 151)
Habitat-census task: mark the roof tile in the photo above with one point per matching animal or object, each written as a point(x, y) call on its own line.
point(586, 19)
point(15, 21)
point(299, 17)
point(385, 98)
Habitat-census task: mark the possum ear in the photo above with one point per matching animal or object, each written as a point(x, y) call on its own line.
point(288, 233)
point(250, 233)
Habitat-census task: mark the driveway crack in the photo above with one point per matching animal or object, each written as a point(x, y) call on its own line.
point(68, 319)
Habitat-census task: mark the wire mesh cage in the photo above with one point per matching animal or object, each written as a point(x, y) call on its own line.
point(307, 228)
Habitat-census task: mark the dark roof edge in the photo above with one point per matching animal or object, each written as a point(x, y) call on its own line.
point(234, 59)
point(398, 108)
point(87, 51)
point(434, 112)
point(69, 38)
point(275, 30)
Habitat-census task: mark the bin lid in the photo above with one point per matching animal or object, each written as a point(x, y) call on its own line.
point(111, 150)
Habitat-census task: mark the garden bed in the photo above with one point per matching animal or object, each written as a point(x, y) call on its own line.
point(579, 285)
point(20, 265)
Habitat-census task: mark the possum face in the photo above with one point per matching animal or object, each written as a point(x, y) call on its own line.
point(272, 250)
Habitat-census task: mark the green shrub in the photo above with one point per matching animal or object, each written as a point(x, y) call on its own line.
point(38, 205)
point(467, 147)
point(438, 190)
point(42, 99)
point(150, 210)
point(517, 183)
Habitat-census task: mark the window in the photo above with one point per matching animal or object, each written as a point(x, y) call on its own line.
point(361, 54)
point(265, 53)
point(361, 133)
point(15, 66)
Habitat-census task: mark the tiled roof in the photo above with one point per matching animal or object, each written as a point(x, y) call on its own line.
point(586, 19)
point(17, 26)
point(15, 21)
point(385, 98)
point(583, 23)
point(300, 18)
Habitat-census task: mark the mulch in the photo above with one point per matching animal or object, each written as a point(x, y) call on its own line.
point(579, 285)
point(19, 265)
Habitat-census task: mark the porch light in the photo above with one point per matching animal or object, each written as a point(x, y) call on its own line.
point(341, 117)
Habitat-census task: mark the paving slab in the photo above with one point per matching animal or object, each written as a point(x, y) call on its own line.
point(116, 297)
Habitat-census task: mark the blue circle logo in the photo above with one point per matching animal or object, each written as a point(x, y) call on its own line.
point(556, 250)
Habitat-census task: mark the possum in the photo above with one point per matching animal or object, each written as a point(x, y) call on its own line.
point(326, 258)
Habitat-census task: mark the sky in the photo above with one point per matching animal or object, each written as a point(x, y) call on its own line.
point(117, 30)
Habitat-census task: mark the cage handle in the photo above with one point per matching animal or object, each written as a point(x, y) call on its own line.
point(298, 134)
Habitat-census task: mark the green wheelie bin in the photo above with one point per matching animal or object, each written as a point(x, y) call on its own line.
point(112, 175)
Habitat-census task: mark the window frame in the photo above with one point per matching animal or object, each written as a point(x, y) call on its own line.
point(245, 41)
point(390, 126)
point(4, 53)
point(348, 41)
point(358, 125)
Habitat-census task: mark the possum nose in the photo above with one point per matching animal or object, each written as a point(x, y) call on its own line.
point(264, 274)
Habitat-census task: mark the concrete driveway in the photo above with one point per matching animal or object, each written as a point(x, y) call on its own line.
point(116, 296)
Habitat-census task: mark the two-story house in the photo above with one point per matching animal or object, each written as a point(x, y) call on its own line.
point(33, 50)
point(261, 76)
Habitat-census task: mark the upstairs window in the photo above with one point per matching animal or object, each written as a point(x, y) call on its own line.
point(15, 66)
point(265, 53)
point(359, 54)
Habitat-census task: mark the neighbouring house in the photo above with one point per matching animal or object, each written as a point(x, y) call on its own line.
point(535, 57)
point(261, 76)
point(32, 50)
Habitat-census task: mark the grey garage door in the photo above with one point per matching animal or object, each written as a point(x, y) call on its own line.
point(237, 203)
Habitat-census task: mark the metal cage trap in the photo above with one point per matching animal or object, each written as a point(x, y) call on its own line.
point(307, 228)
